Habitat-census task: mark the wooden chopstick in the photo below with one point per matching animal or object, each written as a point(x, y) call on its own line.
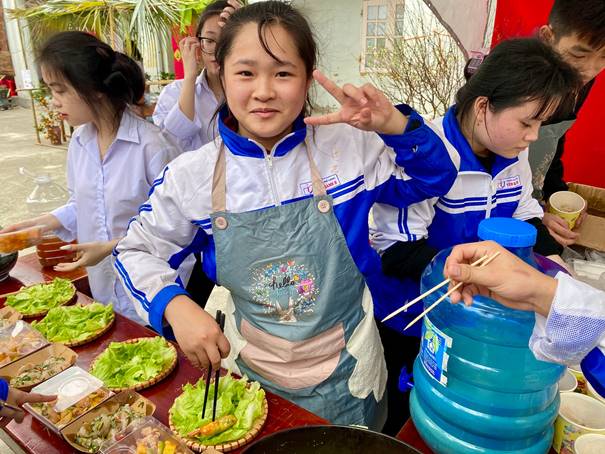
point(452, 290)
point(221, 323)
point(427, 293)
point(5, 404)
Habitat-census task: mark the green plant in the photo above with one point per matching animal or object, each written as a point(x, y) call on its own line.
point(166, 76)
point(49, 120)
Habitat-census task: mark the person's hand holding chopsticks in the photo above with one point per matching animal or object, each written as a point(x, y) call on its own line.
point(508, 279)
point(12, 407)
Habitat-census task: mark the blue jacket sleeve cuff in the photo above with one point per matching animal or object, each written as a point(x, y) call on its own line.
point(159, 303)
point(3, 389)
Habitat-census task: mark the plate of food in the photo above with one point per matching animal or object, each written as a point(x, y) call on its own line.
point(104, 424)
point(77, 393)
point(76, 325)
point(19, 340)
point(147, 436)
point(37, 300)
point(241, 412)
point(27, 372)
point(135, 363)
point(9, 316)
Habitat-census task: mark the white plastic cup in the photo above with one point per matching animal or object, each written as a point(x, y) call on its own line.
point(568, 382)
point(578, 415)
point(590, 444)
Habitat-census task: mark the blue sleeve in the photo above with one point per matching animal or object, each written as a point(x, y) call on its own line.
point(3, 389)
point(593, 368)
point(429, 165)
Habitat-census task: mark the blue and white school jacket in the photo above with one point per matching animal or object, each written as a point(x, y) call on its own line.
point(358, 168)
point(477, 194)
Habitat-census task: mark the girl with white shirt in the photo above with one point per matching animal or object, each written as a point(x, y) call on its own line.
point(113, 159)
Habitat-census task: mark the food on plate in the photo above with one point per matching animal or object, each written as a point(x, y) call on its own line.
point(40, 298)
point(62, 418)
point(30, 374)
point(95, 433)
point(239, 400)
point(151, 443)
point(211, 428)
point(70, 324)
point(19, 340)
point(127, 364)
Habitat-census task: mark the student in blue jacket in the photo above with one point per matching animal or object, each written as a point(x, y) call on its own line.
point(497, 114)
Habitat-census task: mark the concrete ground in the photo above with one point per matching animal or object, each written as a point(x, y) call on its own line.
point(19, 149)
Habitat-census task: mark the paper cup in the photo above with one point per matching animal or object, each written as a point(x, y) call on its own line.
point(590, 444)
point(577, 372)
point(567, 205)
point(568, 382)
point(578, 415)
point(592, 393)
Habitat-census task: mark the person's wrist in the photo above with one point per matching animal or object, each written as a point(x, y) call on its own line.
point(395, 124)
point(175, 307)
point(543, 294)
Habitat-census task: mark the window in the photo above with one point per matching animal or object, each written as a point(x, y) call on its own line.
point(382, 19)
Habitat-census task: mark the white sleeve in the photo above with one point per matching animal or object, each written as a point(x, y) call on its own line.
point(173, 122)
point(574, 326)
point(68, 213)
point(528, 207)
point(147, 258)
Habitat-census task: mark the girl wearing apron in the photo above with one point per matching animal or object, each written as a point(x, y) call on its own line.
point(280, 211)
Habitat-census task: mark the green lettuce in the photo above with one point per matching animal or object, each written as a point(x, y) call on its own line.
point(42, 297)
point(127, 364)
point(237, 397)
point(74, 323)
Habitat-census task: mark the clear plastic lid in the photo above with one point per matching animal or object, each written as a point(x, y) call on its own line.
point(149, 436)
point(70, 386)
point(17, 340)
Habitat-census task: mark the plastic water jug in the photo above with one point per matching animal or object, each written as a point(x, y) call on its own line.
point(478, 387)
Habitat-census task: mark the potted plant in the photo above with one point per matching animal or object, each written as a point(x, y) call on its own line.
point(49, 120)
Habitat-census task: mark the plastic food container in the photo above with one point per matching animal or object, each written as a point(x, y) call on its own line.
point(77, 393)
point(149, 436)
point(19, 340)
point(21, 239)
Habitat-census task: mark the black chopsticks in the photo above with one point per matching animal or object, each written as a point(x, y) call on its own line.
point(220, 319)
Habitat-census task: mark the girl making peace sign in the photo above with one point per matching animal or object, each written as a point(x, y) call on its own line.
point(279, 207)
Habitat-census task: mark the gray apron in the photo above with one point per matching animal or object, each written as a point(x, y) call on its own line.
point(542, 152)
point(297, 298)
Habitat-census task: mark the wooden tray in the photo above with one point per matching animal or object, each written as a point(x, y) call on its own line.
point(151, 381)
point(230, 445)
point(93, 336)
point(72, 300)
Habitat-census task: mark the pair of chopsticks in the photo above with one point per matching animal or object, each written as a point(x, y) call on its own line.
point(483, 261)
point(220, 319)
point(4, 404)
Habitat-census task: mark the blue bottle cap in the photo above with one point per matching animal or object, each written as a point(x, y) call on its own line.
point(508, 232)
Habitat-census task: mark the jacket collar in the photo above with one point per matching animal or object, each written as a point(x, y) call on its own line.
point(127, 131)
point(243, 146)
point(468, 160)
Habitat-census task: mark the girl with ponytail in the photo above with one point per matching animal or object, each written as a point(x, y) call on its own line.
point(113, 159)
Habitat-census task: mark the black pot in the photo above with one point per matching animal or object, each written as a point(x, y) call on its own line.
point(7, 262)
point(328, 440)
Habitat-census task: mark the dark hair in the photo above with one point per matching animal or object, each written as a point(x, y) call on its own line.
point(91, 67)
point(518, 71)
point(265, 14)
point(586, 19)
point(213, 9)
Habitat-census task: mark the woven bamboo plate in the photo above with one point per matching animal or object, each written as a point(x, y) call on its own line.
point(230, 445)
point(94, 335)
point(71, 300)
point(146, 384)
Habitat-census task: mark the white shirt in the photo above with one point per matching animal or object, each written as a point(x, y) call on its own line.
point(105, 195)
point(168, 115)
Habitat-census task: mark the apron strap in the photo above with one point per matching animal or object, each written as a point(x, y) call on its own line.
point(219, 179)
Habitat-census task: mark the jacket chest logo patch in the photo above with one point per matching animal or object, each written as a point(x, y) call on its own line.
point(331, 181)
point(508, 183)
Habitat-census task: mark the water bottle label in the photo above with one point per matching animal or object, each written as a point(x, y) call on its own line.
point(433, 351)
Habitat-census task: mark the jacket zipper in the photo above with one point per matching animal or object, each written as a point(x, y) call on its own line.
point(269, 161)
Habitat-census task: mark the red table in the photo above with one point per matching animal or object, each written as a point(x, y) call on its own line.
point(28, 271)
point(32, 436)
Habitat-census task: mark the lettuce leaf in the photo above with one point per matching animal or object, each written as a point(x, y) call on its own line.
point(42, 297)
point(127, 364)
point(235, 396)
point(74, 323)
